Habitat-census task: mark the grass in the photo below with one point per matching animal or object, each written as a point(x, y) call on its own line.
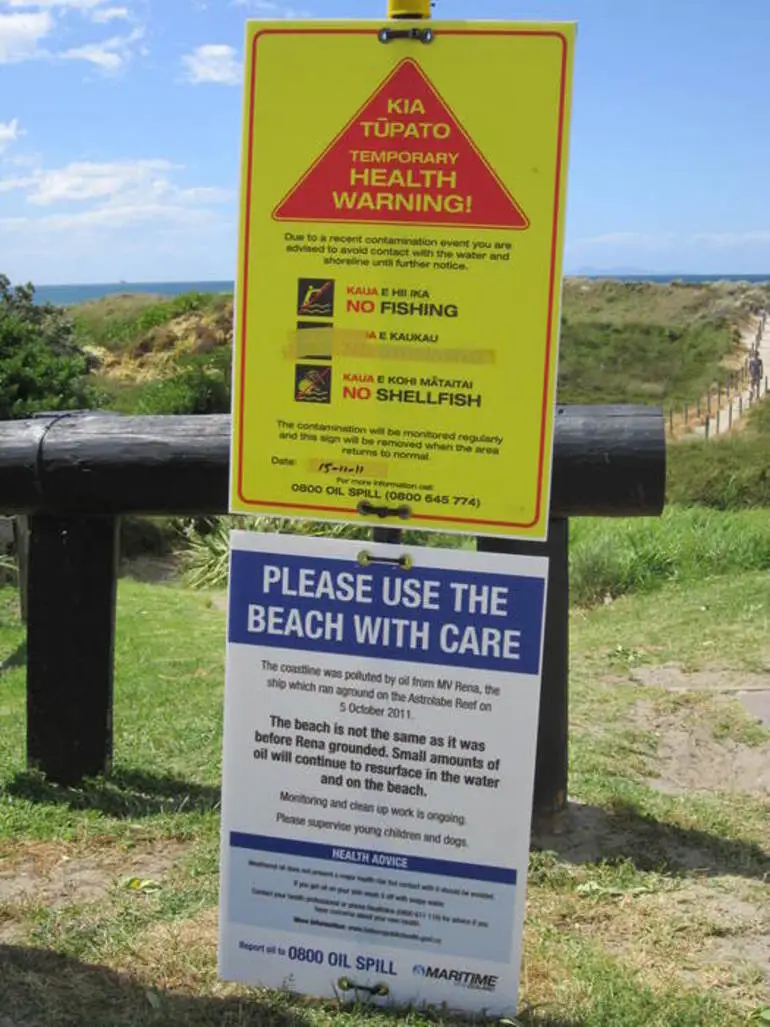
point(630, 913)
point(623, 303)
point(621, 342)
point(730, 473)
point(607, 557)
point(639, 363)
point(642, 342)
point(615, 557)
point(119, 322)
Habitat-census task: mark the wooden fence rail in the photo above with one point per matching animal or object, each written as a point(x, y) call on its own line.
point(74, 475)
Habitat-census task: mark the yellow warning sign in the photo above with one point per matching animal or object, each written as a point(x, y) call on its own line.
point(400, 273)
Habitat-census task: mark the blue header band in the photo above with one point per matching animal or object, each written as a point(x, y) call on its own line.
point(420, 623)
point(367, 859)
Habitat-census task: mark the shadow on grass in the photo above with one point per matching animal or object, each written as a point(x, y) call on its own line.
point(18, 658)
point(592, 834)
point(50, 990)
point(124, 794)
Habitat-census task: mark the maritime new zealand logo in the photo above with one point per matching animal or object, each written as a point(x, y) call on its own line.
point(462, 978)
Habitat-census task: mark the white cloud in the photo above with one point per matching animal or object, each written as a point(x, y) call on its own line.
point(87, 180)
point(110, 55)
point(79, 5)
point(116, 194)
point(213, 62)
point(269, 9)
point(728, 240)
point(669, 240)
point(9, 133)
point(105, 14)
point(20, 35)
point(126, 215)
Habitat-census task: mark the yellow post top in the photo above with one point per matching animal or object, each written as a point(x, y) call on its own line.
point(409, 8)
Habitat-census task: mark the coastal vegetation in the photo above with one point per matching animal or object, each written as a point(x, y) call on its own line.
point(42, 364)
point(621, 342)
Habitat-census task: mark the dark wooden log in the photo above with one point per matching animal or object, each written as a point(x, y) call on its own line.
point(70, 645)
point(608, 461)
point(552, 759)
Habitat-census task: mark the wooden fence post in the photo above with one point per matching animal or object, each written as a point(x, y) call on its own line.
point(70, 645)
point(551, 769)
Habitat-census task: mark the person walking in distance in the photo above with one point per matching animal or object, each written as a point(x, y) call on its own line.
point(756, 370)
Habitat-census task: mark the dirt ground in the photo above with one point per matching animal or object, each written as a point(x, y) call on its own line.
point(704, 921)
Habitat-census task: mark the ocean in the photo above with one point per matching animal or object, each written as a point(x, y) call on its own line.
point(66, 295)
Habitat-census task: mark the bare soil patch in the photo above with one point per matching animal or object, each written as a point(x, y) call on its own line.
point(705, 936)
point(585, 834)
point(750, 953)
point(690, 759)
point(61, 875)
point(756, 704)
point(674, 679)
point(152, 570)
point(751, 690)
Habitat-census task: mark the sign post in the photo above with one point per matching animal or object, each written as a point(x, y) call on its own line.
point(400, 272)
point(380, 728)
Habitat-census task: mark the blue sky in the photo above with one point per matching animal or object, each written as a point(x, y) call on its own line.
point(120, 133)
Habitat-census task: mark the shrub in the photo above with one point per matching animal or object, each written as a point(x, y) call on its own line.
point(638, 363)
point(118, 322)
point(207, 542)
point(198, 385)
point(41, 365)
point(730, 473)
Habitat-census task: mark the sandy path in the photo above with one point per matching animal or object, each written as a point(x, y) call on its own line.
point(741, 401)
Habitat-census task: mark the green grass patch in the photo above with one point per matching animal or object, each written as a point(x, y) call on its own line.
point(639, 363)
point(197, 384)
point(621, 342)
point(118, 322)
point(614, 557)
point(168, 726)
point(608, 558)
point(620, 303)
point(730, 473)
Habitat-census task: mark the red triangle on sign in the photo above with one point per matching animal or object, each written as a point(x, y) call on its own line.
point(404, 158)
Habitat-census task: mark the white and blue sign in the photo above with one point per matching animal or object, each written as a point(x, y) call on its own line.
point(381, 718)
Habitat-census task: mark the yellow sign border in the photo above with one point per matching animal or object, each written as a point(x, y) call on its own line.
point(241, 503)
